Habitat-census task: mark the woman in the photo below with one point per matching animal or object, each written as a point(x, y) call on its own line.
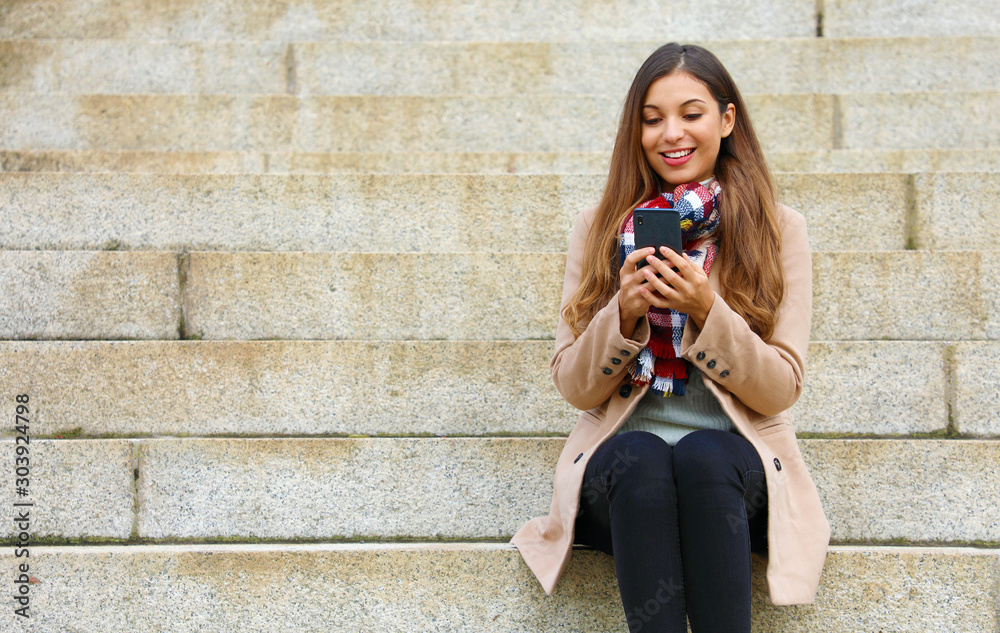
point(681, 489)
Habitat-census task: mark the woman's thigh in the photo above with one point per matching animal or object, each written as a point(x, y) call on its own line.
point(636, 462)
point(701, 462)
point(724, 467)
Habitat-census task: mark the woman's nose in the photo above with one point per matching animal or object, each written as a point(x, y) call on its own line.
point(673, 131)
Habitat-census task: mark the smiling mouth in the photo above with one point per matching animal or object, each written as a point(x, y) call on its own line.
point(678, 154)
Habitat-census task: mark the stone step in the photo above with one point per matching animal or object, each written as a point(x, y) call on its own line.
point(404, 213)
point(857, 295)
point(977, 390)
point(877, 18)
point(778, 66)
point(82, 489)
point(473, 488)
point(264, 388)
point(409, 20)
point(89, 295)
point(464, 587)
point(902, 295)
point(903, 160)
point(892, 295)
point(128, 161)
point(528, 123)
point(152, 66)
point(450, 488)
point(356, 123)
point(133, 161)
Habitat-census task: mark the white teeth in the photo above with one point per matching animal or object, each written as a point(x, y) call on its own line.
point(678, 154)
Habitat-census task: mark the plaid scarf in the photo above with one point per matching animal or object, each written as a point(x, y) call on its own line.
point(660, 362)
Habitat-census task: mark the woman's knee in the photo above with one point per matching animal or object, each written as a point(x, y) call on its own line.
point(709, 456)
point(632, 458)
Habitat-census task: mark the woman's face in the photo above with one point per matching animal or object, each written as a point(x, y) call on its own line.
point(682, 128)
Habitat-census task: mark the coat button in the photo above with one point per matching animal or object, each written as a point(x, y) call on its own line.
point(625, 352)
point(616, 361)
point(725, 372)
point(581, 455)
point(711, 364)
point(625, 391)
point(700, 356)
point(777, 464)
point(607, 371)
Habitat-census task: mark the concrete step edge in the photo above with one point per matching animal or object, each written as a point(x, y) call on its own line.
point(412, 546)
point(495, 213)
point(912, 161)
point(455, 488)
point(337, 387)
point(459, 123)
point(250, 96)
point(243, 295)
point(791, 39)
point(277, 67)
point(466, 587)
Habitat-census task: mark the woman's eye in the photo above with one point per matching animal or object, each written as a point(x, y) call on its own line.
point(692, 117)
point(651, 121)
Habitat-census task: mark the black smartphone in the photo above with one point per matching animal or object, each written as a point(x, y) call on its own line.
point(656, 228)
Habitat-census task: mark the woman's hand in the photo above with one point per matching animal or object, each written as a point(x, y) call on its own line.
point(686, 290)
point(632, 302)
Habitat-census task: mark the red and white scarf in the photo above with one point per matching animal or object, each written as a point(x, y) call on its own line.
point(660, 362)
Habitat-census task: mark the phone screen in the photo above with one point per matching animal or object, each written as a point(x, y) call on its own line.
point(656, 228)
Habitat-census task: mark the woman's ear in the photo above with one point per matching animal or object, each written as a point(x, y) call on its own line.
point(728, 120)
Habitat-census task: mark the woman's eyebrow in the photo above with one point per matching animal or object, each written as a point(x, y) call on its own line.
point(688, 102)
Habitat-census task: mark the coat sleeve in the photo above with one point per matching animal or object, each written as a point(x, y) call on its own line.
point(588, 369)
point(766, 376)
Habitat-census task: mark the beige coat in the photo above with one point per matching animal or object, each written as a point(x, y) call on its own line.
point(762, 380)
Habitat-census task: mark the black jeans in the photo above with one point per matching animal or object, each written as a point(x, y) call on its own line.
point(680, 522)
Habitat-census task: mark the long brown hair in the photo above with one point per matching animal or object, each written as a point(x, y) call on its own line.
point(748, 237)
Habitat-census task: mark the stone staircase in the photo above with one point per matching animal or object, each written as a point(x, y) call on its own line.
point(281, 281)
